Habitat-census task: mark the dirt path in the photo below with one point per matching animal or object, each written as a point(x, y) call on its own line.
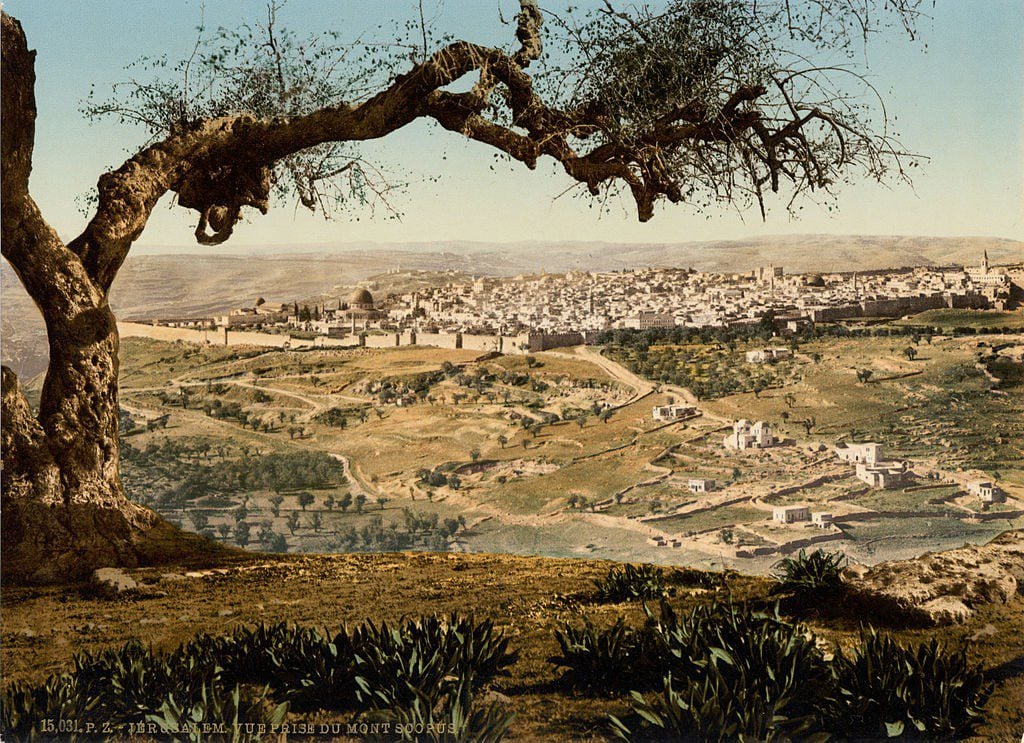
point(357, 485)
point(614, 370)
point(642, 387)
point(317, 405)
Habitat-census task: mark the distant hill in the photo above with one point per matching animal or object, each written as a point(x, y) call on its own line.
point(797, 253)
point(183, 282)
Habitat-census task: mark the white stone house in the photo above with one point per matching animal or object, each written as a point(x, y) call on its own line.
point(747, 435)
point(768, 355)
point(672, 412)
point(822, 519)
point(700, 485)
point(868, 453)
point(987, 491)
point(790, 514)
point(882, 474)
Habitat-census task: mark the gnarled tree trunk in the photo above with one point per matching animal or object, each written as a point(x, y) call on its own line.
point(63, 508)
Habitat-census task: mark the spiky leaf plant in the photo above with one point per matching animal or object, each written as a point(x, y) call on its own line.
point(239, 716)
point(731, 671)
point(608, 660)
point(884, 688)
point(459, 718)
point(814, 574)
point(396, 663)
point(632, 583)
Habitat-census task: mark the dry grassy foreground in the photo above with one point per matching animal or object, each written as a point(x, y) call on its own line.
point(527, 597)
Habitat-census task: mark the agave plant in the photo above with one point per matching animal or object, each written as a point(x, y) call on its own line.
point(457, 719)
point(614, 659)
point(430, 664)
point(743, 669)
point(240, 716)
point(316, 673)
point(814, 574)
point(23, 709)
point(632, 583)
point(397, 664)
point(131, 681)
point(888, 689)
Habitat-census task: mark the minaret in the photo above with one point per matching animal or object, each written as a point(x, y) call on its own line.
point(984, 262)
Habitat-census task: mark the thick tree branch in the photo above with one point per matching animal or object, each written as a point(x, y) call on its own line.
point(219, 166)
point(53, 277)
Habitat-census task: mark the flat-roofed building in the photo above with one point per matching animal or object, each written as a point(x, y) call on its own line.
point(869, 453)
point(672, 412)
point(790, 514)
point(700, 485)
point(747, 435)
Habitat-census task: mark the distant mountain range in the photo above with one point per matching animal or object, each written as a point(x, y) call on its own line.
point(180, 281)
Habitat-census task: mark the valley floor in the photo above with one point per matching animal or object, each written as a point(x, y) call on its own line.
point(557, 454)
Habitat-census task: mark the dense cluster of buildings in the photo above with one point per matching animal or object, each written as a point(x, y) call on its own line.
point(665, 297)
point(544, 311)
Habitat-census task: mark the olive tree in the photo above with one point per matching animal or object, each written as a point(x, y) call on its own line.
point(699, 101)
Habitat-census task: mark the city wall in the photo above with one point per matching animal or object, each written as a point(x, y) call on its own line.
point(544, 341)
point(252, 338)
point(388, 340)
point(903, 305)
point(969, 302)
point(515, 343)
point(481, 342)
point(226, 337)
point(161, 333)
point(899, 307)
point(439, 340)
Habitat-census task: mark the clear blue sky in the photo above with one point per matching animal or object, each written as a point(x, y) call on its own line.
point(961, 102)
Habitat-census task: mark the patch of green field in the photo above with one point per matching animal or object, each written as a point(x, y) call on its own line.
point(948, 319)
point(899, 500)
point(594, 479)
point(936, 406)
point(708, 370)
point(921, 530)
point(713, 519)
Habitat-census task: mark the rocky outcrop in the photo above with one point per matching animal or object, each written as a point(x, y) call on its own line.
point(112, 582)
point(946, 587)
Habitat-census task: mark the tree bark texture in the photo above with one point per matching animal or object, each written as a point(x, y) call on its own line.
point(64, 511)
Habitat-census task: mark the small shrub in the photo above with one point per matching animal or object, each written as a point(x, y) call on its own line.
point(431, 662)
point(631, 583)
point(731, 671)
point(240, 714)
point(303, 667)
point(22, 708)
point(126, 684)
point(457, 719)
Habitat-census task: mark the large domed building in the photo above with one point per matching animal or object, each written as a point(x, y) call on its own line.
point(360, 309)
point(360, 299)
